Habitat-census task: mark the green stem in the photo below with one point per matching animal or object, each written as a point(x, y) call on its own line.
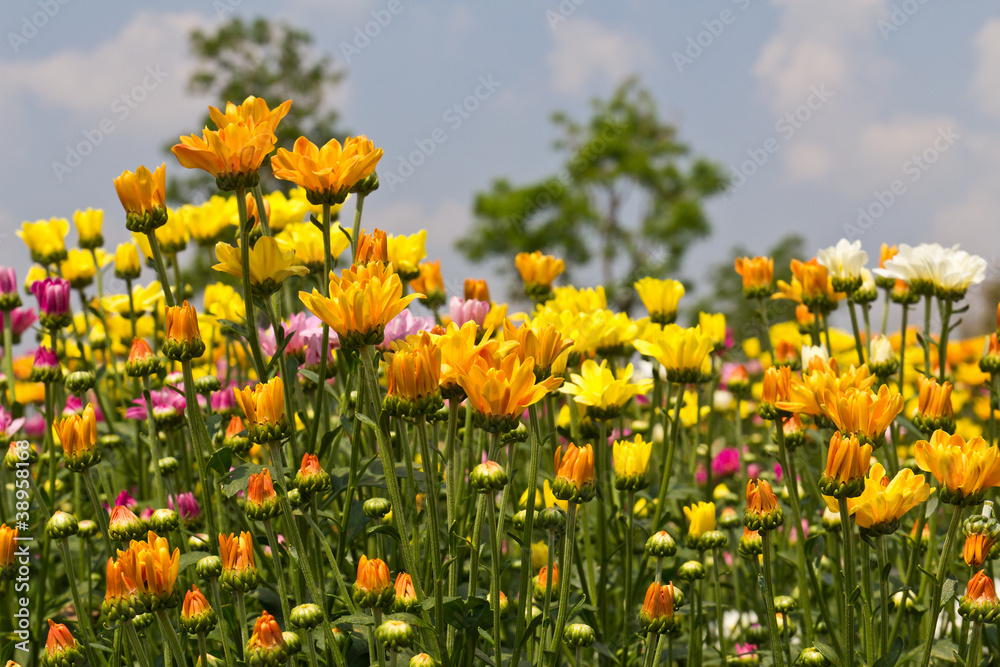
point(942, 570)
point(883, 588)
point(885, 311)
point(154, 443)
point(927, 336)
point(564, 577)
point(668, 462)
point(717, 561)
point(341, 585)
point(858, 346)
point(494, 579)
point(8, 355)
point(451, 491)
point(279, 569)
point(251, 319)
point(356, 230)
point(945, 306)
point(777, 655)
point(848, 538)
point(241, 614)
point(975, 654)
point(373, 642)
point(138, 648)
point(431, 485)
point(102, 518)
point(223, 630)
point(161, 269)
point(202, 649)
point(202, 445)
point(867, 611)
point(627, 593)
point(171, 636)
point(787, 460)
point(83, 618)
point(325, 342)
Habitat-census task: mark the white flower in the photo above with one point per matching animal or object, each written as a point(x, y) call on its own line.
point(844, 261)
point(867, 281)
point(949, 270)
point(880, 350)
point(810, 352)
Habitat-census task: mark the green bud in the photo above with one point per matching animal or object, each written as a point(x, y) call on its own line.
point(518, 519)
point(168, 465)
point(422, 660)
point(207, 384)
point(87, 529)
point(209, 567)
point(164, 521)
point(80, 382)
point(306, 616)
point(488, 476)
point(395, 635)
point(692, 570)
point(552, 518)
point(811, 657)
point(785, 604)
point(293, 644)
point(661, 545)
point(61, 525)
point(578, 635)
point(376, 508)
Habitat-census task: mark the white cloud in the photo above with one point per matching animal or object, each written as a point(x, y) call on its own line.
point(144, 69)
point(807, 161)
point(986, 78)
point(586, 52)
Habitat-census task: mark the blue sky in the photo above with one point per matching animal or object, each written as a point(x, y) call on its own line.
point(881, 95)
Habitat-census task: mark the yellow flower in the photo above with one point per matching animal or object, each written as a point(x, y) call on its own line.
point(306, 241)
point(757, 274)
point(361, 302)
point(701, 519)
point(224, 302)
point(143, 196)
point(269, 264)
point(884, 502)
point(631, 460)
point(127, 265)
point(172, 236)
point(500, 390)
point(406, 253)
point(543, 343)
point(151, 566)
point(252, 108)
point(934, 409)
point(714, 324)
point(264, 410)
point(964, 469)
point(234, 152)
point(209, 222)
point(684, 353)
point(78, 268)
point(862, 413)
point(78, 437)
point(574, 473)
point(284, 210)
point(811, 285)
point(8, 537)
point(88, 228)
point(330, 172)
point(604, 395)
point(372, 247)
point(46, 239)
point(430, 283)
point(804, 395)
point(538, 271)
point(660, 298)
point(144, 299)
point(183, 337)
point(460, 351)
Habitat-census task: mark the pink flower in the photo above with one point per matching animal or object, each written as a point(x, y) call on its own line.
point(34, 426)
point(53, 295)
point(726, 462)
point(753, 470)
point(463, 311)
point(777, 472)
point(186, 505)
point(8, 425)
point(167, 403)
point(403, 325)
point(45, 358)
point(8, 280)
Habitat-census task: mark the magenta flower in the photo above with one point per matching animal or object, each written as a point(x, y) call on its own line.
point(224, 400)
point(186, 506)
point(298, 327)
point(146, 514)
point(21, 320)
point(463, 311)
point(45, 358)
point(726, 462)
point(53, 296)
point(34, 426)
point(9, 426)
point(8, 280)
point(167, 405)
point(125, 499)
point(74, 406)
point(403, 325)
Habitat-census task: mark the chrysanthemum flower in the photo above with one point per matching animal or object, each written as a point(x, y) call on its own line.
point(631, 461)
point(373, 587)
point(46, 239)
point(264, 410)
point(270, 264)
point(538, 271)
point(183, 338)
point(406, 253)
point(262, 501)
point(330, 172)
point(8, 537)
point(197, 615)
point(574, 473)
point(862, 413)
point(604, 395)
point(430, 283)
point(847, 462)
point(143, 196)
point(883, 502)
point(844, 262)
point(60, 647)
point(934, 410)
point(757, 274)
point(501, 390)
point(266, 645)
point(657, 613)
point(683, 353)
point(660, 297)
point(963, 468)
point(88, 228)
point(763, 511)
point(413, 372)
point(542, 342)
point(78, 436)
point(239, 571)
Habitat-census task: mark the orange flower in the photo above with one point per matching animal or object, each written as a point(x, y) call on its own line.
point(327, 173)
point(500, 392)
point(964, 469)
point(143, 196)
point(8, 536)
point(373, 587)
point(861, 412)
point(476, 289)
point(804, 316)
point(183, 339)
point(657, 613)
point(262, 501)
point(405, 595)
point(266, 638)
point(757, 274)
point(124, 525)
point(574, 473)
point(810, 285)
point(430, 284)
point(460, 351)
point(252, 109)
point(141, 360)
point(152, 567)
point(542, 342)
point(538, 271)
point(197, 614)
point(59, 643)
point(847, 463)
point(78, 436)
point(120, 599)
point(239, 571)
point(977, 549)
point(413, 372)
point(804, 394)
point(763, 511)
point(774, 390)
point(372, 247)
point(541, 581)
point(361, 303)
point(934, 409)
point(264, 410)
point(980, 600)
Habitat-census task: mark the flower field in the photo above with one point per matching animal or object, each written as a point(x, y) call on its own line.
point(322, 457)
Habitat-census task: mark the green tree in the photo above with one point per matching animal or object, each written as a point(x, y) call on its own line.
point(628, 198)
point(274, 61)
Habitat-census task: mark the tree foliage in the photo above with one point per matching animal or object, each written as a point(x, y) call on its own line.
point(274, 61)
point(628, 198)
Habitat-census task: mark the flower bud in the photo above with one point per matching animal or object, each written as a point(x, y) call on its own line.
point(785, 604)
point(372, 588)
point(488, 476)
point(376, 508)
point(168, 465)
point(311, 478)
point(266, 647)
point(61, 649)
point(80, 382)
point(395, 635)
point(405, 599)
point(657, 613)
point(422, 660)
point(292, 642)
point(578, 635)
point(980, 604)
point(811, 657)
point(19, 454)
point(61, 525)
point(183, 339)
point(164, 520)
point(763, 511)
point(207, 384)
point(713, 539)
point(209, 567)
point(751, 544)
point(197, 615)
point(87, 529)
point(661, 545)
point(262, 501)
point(141, 361)
point(518, 519)
point(127, 266)
point(306, 616)
point(692, 570)
point(124, 525)
point(541, 581)
point(574, 480)
point(504, 604)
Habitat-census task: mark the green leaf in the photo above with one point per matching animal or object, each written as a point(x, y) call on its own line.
point(190, 558)
point(221, 460)
point(947, 591)
point(357, 619)
point(238, 479)
point(829, 653)
point(892, 655)
point(234, 328)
